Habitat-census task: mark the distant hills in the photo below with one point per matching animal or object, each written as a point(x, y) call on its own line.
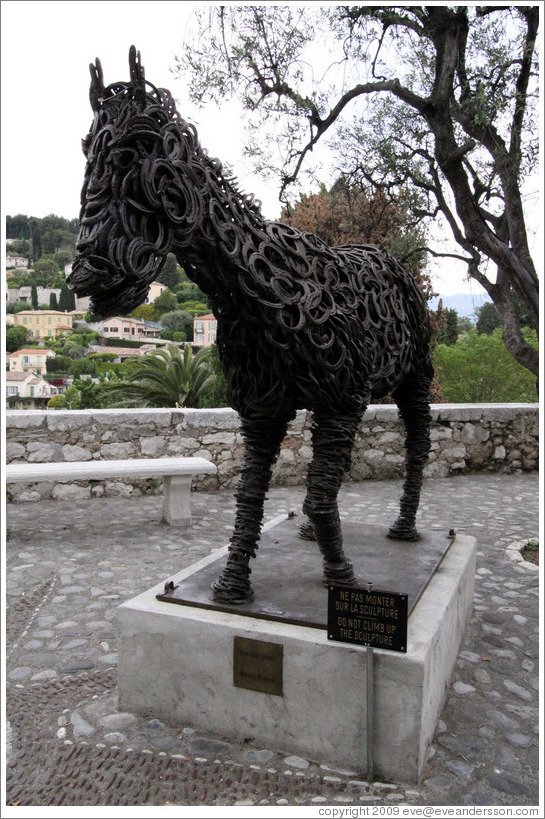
point(465, 304)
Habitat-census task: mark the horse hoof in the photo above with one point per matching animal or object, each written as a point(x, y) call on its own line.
point(402, 530)
point(222, 592)
point(341, 573)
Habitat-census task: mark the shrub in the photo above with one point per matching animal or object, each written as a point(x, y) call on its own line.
point(478, 369)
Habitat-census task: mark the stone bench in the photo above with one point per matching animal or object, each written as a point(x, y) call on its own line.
point(177, 474)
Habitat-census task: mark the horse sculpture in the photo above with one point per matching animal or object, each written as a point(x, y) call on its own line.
point(300, 325)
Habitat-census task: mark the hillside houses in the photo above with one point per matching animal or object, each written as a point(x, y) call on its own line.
point(205, 330)
point(19, 262)
point(27, 390)
point(46, 323)
point(128, 328)
point(30, 360)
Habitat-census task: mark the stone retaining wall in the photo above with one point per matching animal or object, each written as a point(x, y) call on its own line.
point(465, 437)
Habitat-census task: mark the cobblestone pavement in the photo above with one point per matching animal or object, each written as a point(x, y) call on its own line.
point(69, 565)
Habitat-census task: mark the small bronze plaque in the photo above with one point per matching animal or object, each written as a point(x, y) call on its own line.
point(258, 665)
point(368, 618)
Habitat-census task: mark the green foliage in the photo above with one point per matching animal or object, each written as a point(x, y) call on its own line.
point(448, 326)
point(189, 291)
point(84, 335)
point(67, 300)
point(82, 394)
point(18, 227)
point(99, 358)
point(16, 307)
point(163, 378)
point(46, 271)
point(121, 342)
point(73, 350)
point(57, 402)
point(195, 308)
point(110, 368)
point(172, 335)
point(53, 304)
point(465, 324)
point(76, 344)
point(63, 257)
point(170, 274)
point(36, 243)
point(146, 312)
point(488, 318)
point(215, 393)
point(166, 302)
point(82, 366)
point(15, 338)
point(178, 320)
point(478, 369)
point(59, 364)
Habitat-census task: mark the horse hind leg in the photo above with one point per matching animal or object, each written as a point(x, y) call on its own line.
point(412, 399)
point(332, 441)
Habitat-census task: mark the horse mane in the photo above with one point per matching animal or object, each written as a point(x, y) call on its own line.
point(146, 110)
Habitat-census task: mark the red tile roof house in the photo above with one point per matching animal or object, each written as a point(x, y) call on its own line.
point(30, 359)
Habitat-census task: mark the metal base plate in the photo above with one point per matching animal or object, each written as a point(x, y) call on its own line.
point(287, 572)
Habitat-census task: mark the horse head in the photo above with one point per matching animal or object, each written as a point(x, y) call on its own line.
point(133, 196)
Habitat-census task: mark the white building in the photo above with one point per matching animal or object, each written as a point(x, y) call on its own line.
point(27, 385)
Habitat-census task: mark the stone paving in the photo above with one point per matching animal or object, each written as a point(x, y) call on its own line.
point(70, 564)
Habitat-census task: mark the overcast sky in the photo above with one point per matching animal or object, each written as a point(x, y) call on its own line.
point(46, 51)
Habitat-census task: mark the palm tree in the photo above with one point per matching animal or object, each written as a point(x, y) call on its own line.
point(163, 378)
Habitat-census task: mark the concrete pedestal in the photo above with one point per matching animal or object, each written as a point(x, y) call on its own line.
point(177, 662)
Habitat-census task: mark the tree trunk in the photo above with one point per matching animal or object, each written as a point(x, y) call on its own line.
point(513, 339)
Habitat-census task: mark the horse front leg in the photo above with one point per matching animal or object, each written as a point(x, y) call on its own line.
point(332, 442)
point(412, 400)
point(262, 438)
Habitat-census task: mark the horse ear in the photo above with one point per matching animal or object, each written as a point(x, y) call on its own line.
point(138, 79)
point(96, 91)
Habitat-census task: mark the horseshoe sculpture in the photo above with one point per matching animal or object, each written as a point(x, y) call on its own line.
point(301, 325)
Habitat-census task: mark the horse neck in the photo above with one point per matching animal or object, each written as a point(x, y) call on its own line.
point(227, 222)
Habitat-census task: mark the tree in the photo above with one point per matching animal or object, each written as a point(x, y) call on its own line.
point(214, 394)
point(488, 318)
point(82, 366)
point(67, 300)
point(443, 102)
point(16, 307)
point(63, 257)
point(15, 338)
point(188, 291)
point(479, 369)
point(164, 378)
point(146, 312)
point(82, 394)
point(58, 364)
point(447, 324)
point(46, 270)
point(465, 325)
point(170, 275)
point(34, 297)
point(18, 227)
point(348, 214)
point(165, 302)
point(178, 320)
point(36, 243)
